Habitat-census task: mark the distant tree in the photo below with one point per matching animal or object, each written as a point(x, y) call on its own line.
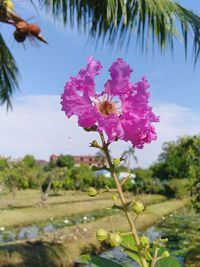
point(128, 155)
point(178, 159)
point(82, 177)
point(145, 183)
point(47, 178)
point(195, 193)
point(65, 161)
point(181, 160)
point(14, 177)
point(31, 168)
point(60, 176)
point(100, 181)
point(4, 163)
point(29, 161)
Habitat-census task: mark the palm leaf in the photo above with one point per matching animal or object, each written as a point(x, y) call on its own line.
point(8, 74)
point(118, 21)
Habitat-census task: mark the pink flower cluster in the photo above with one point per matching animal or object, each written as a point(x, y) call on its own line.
point(121, 111)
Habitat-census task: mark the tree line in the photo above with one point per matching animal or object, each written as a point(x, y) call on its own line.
point(57, 174)
point(175, 174)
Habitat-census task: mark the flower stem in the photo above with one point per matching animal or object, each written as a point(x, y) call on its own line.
point(154, 258)
point(123, 201)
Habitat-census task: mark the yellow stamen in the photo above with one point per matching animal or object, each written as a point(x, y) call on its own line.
point(106, 107)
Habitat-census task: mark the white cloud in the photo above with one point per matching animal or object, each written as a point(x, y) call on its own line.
point(38, 127)
point(175, 121)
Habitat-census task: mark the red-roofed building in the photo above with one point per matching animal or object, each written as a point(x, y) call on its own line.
point(87, 160)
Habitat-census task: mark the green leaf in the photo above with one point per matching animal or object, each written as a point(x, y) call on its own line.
point(8, 74)
point(133, 256)
point(128, 243)
point(83, 259)
point(168, 262)
point(97, 261)
point(117, 21)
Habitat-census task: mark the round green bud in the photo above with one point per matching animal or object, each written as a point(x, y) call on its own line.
point(116, 161)
point(165, 254)
point(9, 4)
point(114, 239)
point(101, 235)
point(95, 144)
point(138, 207)
point(92, 192)
point(144, 240)
point(114, 198)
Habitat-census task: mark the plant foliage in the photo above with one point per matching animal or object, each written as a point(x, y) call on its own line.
point(8, 74)
point(162, 21)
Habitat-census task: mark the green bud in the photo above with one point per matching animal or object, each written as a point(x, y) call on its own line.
point(101, 235)
point(95, 144)
point(160, 242)
point(138, 207)
point(144, 240)
point(116, 162)
point(9, 4)
point(92, 192)
point(88, 129)
point(165, 254)
point(114, 198)
point(114, 239)
point(91, 129)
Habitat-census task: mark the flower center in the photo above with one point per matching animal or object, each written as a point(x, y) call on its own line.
point(106, 107)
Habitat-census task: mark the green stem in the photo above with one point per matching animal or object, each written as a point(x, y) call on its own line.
point(123, 201)
point(154, 258)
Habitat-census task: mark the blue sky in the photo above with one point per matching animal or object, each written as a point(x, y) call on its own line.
point(175, 89)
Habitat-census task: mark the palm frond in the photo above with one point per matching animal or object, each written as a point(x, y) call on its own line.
point(118, 21)
point(8, 74)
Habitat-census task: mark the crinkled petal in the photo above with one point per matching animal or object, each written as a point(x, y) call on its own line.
point(72, 103)
point(138, 129)
point(120, 73)
point(133, 122)
point(88, 118)
point(111, 125)
point(81, 106)
point(85, 79)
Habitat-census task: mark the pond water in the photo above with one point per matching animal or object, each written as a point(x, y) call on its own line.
point(33, 231)
point(182, 228)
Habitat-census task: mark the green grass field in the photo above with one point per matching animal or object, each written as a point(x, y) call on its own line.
point(25, 209)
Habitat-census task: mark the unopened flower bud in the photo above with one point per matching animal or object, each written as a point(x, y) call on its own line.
point(9, 4)
point(94, 143)
point(114, 239)
point(91, 129)
point(101, 235)
point(165, 254)
point(114, 198)
point(92, 192)
point(138, 207)
point(160, 242)
point(116, 162)
point(144, 240)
